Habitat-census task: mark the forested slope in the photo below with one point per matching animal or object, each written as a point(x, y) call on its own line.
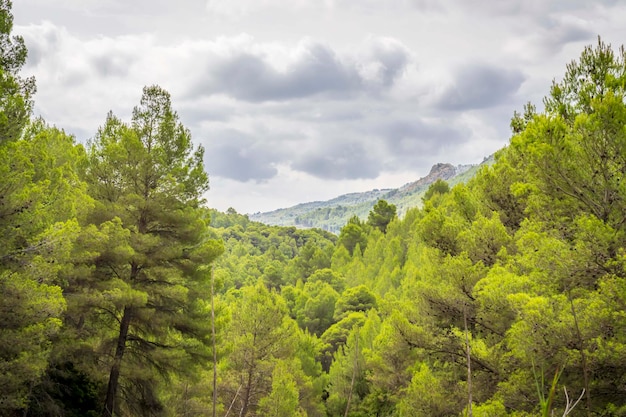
point(333, 214)
point(122, 294)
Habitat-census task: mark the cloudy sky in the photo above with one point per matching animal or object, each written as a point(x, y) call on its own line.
point(301, 100)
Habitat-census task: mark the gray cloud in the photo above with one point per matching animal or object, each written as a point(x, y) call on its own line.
point(561, 31)
point(192, 113)
point(250, 77)
point(340, 160)
point(479, 87)
point(571, 33)
point(238, 156)
point(386, 60)
point(427, 5)
point(104, 58)
point(406, 138)
point(109, 65)
point(349, 103)
point(41, 42)
point(549, 37)
point(317, 70)
point(528, 8)
point(359, 146)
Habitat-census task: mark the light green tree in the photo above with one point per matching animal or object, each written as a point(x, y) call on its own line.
point(283, 400)
point(429, 395)
point(354, 299)
point(437, 188)
point(260, 334)
point(346, 377)
point(40, 197)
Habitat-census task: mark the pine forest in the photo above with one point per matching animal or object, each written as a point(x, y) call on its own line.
point(123, 294)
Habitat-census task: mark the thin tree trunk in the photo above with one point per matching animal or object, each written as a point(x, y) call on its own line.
point(354, 371)
point(233, 401)
point(469, 364)
point(186, 400)
point(114, 376)
point(214, 342)
point(247, 393)
point(583, 357)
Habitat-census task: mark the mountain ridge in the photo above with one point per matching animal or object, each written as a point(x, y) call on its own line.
point(332, 215)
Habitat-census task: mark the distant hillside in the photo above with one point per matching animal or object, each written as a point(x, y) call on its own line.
point(333, 214)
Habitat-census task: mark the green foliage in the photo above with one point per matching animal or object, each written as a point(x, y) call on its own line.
point(347, 377)
point(381, 215)
point(493, 186)
point(437, 188)
point(15, 92)
point(111, 268)
point(354, 299)
point(40, 198)
point(337, 334)
point(484, 239)
point(30, 314)
point(278, 255)
point(598, 73)
point(316, 314)
point(68, 390)
point(491, 408)
point(428, 396)
point(283, 399)
point(545, 402)
point(353, 235)
point(148, 239)
point(260, 334)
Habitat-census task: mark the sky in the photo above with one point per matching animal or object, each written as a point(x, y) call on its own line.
point(304, 100)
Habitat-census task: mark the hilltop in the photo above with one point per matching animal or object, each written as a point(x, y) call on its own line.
point(332, 215)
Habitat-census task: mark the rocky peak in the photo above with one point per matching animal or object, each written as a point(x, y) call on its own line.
point(438, 171)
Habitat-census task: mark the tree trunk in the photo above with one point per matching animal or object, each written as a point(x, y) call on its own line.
point(114, 376)
point(354, 371)
point(469, 364)
point(214, 342)
point(247, 393)
point(583, 357)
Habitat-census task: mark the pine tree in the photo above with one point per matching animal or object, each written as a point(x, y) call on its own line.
point(151, 238)
point(39, 196)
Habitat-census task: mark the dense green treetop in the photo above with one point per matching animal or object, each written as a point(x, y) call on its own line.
point(122, 294)
point(16, 92)
point(381, 215)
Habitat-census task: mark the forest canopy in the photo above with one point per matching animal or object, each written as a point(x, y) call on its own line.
point(123, 294)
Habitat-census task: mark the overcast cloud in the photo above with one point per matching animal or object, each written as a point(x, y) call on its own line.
point(304, 100)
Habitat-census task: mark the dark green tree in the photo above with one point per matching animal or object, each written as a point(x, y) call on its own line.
point(358, 298)
point(318, 304)
point(15, 92)
point(353, 235)
point(381, 215)
point(147, 180)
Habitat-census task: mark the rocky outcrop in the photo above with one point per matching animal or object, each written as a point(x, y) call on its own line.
point(438, 171)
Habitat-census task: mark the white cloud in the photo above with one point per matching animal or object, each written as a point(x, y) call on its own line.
point(307, 99)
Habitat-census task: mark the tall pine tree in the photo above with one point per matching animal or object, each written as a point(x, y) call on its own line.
point(147, 180)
